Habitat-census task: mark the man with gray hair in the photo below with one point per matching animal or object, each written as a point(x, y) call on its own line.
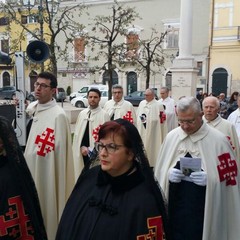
point(198, 172)
point(211, 108)
point(118, 107)
point(151, 124)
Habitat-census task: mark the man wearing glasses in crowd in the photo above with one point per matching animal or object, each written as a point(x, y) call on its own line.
point(118, 107)
point(48, 151)
point(203, 200)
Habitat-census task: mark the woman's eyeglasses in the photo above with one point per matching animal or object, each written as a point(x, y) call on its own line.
point(110, 148)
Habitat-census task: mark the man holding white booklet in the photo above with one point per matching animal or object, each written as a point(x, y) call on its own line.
point(198, 172)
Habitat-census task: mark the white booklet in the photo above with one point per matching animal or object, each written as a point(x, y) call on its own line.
point(189, 165)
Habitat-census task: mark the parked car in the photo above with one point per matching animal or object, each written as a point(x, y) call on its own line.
point(59, 96)
point(82, 102)
point(31, 97)
point(136, 97)
point(84, 90)
point(7, 92)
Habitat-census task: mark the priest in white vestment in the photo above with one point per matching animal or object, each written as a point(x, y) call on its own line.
point(118, 107)
point(86, 130)
point(49, 152)
point(151, 124)
point(208, 193)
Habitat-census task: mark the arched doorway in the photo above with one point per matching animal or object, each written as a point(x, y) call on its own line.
point(106, 77)
point(6, 79)
point(33, 79)
point(219, 81)
point(131, 82)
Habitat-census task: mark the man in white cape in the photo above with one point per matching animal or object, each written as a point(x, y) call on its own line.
point(211, 108)
point(118, 107)
point(92, 117)
point(48, 152)
point(170, 108)
point(151, 124)
point(217, 180)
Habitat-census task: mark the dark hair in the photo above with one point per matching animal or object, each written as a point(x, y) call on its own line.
point(231, 100)
point(126, 130)
point(49, 76)
point(22, 176)
point(96, 90)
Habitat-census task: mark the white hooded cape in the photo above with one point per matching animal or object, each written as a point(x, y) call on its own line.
point(222, 201)
point(156, 127)
point(49, 157)
point(97, 118)
point(228, 129)
point(121, 109)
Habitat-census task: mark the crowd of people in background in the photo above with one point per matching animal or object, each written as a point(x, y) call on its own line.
point(227, 104)
point(125, 173)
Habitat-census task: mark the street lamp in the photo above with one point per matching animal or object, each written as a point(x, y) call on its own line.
point(49, 6)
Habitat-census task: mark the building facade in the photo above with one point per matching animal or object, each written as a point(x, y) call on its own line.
point(159, 14)
point(76, 70)
point(224, 55)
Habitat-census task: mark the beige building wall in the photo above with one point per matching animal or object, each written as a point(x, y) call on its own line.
point(154, 13)
point(225, 46)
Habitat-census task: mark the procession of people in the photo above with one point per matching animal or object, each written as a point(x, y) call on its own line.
point(167, 170)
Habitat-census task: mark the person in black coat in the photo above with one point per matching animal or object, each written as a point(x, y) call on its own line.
point(118, 199)
point(20, 214)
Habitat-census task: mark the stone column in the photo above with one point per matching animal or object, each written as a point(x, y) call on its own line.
point(184, 71)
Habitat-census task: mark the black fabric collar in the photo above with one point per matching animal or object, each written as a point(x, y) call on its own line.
point(123, 182)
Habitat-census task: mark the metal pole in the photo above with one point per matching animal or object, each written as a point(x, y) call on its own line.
point(40, 13)
point(20, 94)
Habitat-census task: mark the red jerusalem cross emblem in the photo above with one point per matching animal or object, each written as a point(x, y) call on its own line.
point(95, 132)
point(45, 142)
point(128, 116)
point(16, 223)
point(155, 227)
point(227, 169)
point(162, 116)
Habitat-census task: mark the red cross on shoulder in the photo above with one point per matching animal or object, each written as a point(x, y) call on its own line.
point(128, 117)
point(227, 169)
point(45, 142)
point(95, 132)
point(155, 227)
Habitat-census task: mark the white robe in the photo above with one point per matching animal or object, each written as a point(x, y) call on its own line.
point(234, 118)
point(97, 118)
point(152, 113)
point(121, 109)
point(170, 110)
point(228, 129)
point(222, 200)
point(49, 157)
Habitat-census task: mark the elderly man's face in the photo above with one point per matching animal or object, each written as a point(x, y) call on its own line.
point(117, 94)
point(210, 109)
point(189, 121)
point(149, 96)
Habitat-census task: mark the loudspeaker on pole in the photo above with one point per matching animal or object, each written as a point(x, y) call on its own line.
point(37, 51)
